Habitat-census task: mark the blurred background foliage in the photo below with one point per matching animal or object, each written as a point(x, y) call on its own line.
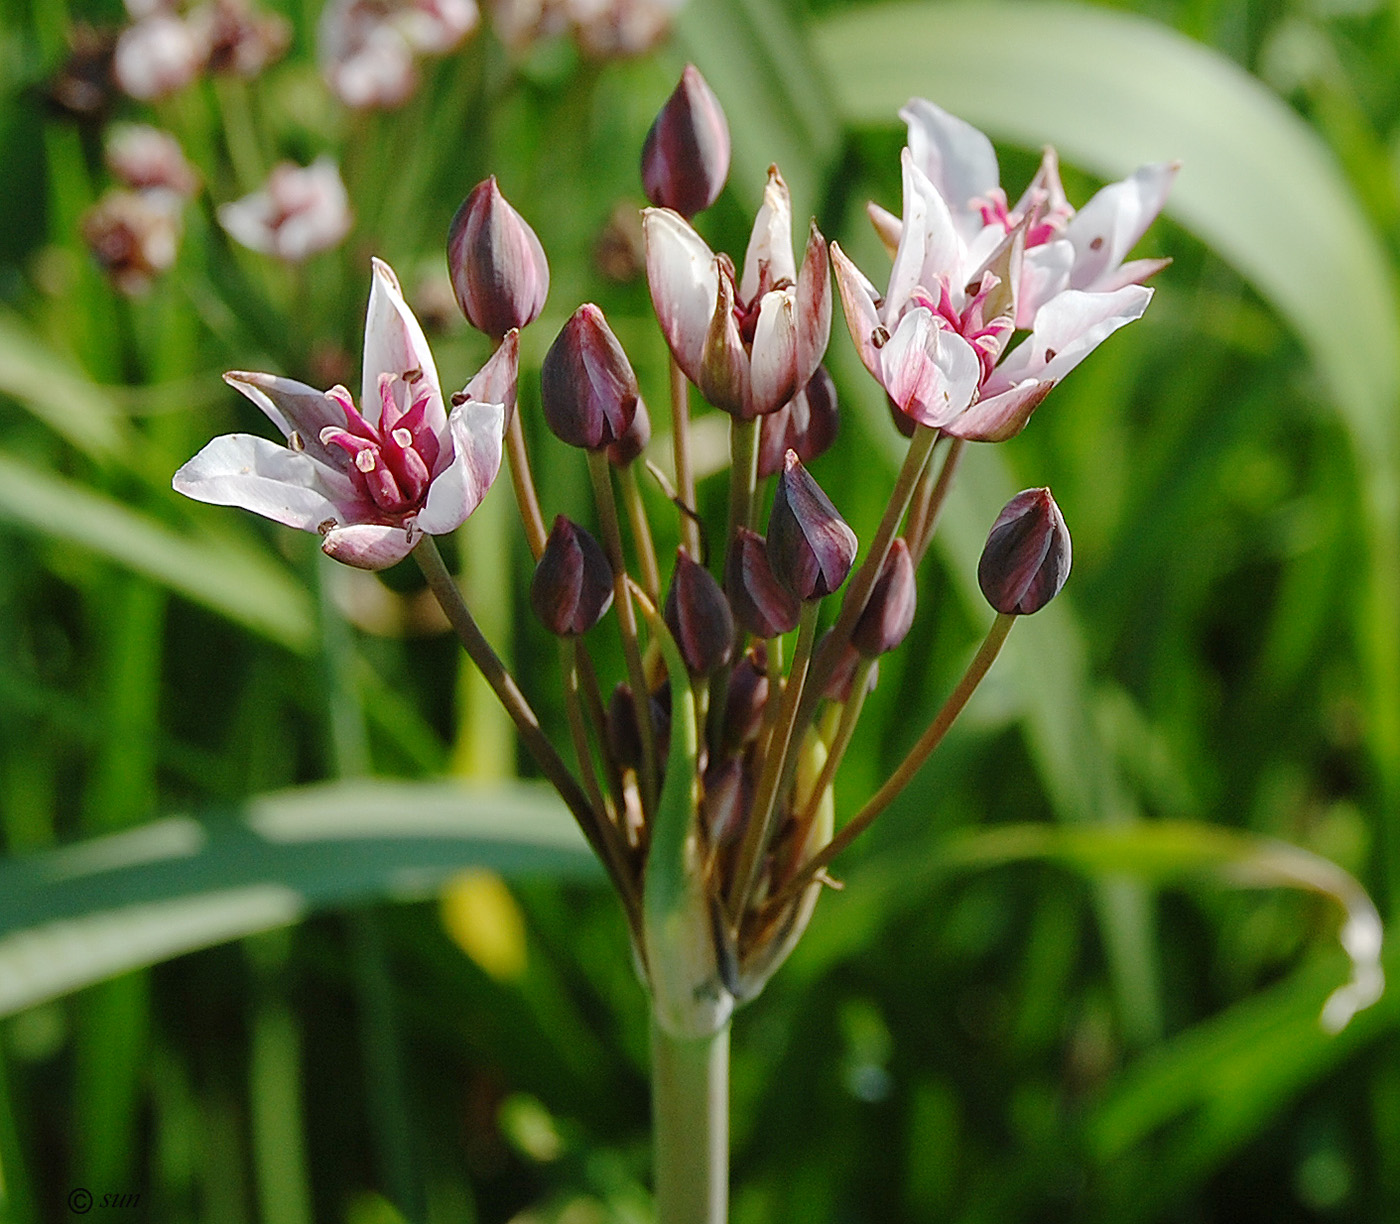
point(375, 1027)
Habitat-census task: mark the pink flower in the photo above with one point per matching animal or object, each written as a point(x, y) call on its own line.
point(749, 346)
point(368, 48)
point(968, 271)
point(158, 56)
point(147, 159)
point(296, 214)
point(371, 480)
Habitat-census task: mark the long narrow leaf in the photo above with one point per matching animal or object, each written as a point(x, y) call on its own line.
point(74, 916)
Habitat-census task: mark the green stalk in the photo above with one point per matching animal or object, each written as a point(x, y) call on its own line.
point(641, 531)
point(765, 799)
point(680, 449)
point(690, 1123)
point(912, 763)
point(850, 715)
point(932, 505)
point(601, 473)
point(743, 475)
point(524, 485)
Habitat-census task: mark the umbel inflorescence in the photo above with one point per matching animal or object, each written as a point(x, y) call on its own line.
point(703, 776)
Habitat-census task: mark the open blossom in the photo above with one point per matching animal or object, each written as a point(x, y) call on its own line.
point(749, 346)
point(299, 212)
point(1064, 249)
point(134, 236)
point(158, 56)
point(373, 479)
point(147, 159)
point(968, 272)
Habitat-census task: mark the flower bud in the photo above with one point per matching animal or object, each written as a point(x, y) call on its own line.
point(1027, 555)
point(728, 798)
point(498, 268)
point(747, 696)
point(634, 441)
point(842, 679)
point(810, 547)
point(624, 739)
point(698, 616)
point(762, 604)
point(889, 612)
point(573, 582)
point(808, 425)
point(685, 159)
point(587, 387)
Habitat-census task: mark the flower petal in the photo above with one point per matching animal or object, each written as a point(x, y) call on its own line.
point(770, 244)
point(684, 285)
point(1067, 329)
point(813, 307)
point(495, 382)
point(930, 250)
point(477, 430)
point(858, 298)
point(1001, 416)
point(267, 478)
point(724, 367)
point(296, 409)
point(370, 546)
point(957, 158)
point(930, 374)
point(1109, 225)
point(773, 372)
point(395, 344)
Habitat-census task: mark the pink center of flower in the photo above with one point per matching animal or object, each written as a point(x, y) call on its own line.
point(391, 463)
point(1044, 226)
point(988, 337)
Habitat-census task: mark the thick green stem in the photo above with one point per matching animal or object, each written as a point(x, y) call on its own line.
point(690, 1122)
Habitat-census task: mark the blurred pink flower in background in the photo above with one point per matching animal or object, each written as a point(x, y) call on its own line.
point(369, 48)
point(299, 212)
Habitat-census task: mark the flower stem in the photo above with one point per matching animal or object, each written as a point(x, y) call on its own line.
point(690, 1123)
point(641, 531)
point(743, 475)
point(601, 473)
point(912, 763)
point(524, 485)
point(680, 449)
point(503, 684)
point(765, 798)
point(850, 715)
point(931, 506)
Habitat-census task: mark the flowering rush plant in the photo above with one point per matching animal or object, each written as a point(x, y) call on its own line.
point(704, 778)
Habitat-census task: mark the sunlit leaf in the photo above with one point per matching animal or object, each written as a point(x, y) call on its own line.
point(77, 915)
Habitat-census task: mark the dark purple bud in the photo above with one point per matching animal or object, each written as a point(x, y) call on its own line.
point(573, 582)
point(624, 740)
point(843, 675)
point(810, 547)
point(808, 425)
point(698, 616)
point(1027, 555)
point(498, 268)
point(762, 604)
point(587, 386)
point(746, 699)
point(685, 159)
point(634, 441)
point(889, 612)
point(727, 800)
